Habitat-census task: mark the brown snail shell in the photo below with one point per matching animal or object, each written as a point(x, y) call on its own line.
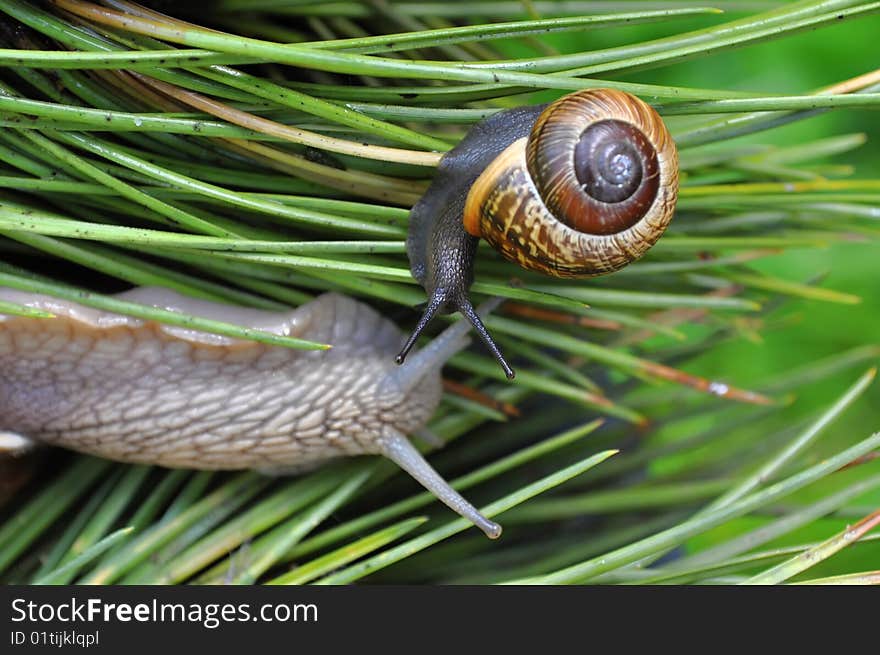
point(590, 190)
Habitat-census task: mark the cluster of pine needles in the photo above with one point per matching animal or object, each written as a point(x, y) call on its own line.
point(261, 152)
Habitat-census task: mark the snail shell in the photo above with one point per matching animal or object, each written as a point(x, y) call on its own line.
point(138, 391)
point(591, 188)
point(580, 187)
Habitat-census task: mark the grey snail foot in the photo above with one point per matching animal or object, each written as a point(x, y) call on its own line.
point(133, 390)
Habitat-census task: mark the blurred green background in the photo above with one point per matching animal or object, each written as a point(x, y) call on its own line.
point(796, 64)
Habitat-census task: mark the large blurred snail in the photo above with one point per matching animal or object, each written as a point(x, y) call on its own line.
point(579, 187)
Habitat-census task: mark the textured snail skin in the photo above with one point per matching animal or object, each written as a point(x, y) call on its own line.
point(137, 391)
point(485, 187)
point(441, 253)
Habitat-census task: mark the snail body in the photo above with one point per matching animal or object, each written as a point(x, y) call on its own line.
point(580, 187)
point(138, 391)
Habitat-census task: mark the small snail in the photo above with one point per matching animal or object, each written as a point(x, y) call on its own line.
point(138, 391)
point(580, 187)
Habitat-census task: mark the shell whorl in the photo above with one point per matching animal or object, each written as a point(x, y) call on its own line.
point(591, 189)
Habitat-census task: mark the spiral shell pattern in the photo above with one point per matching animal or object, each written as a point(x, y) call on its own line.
point(590, 190)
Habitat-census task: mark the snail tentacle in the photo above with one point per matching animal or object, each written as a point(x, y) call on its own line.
point(430, 358)
point(431, 310)
point(467, 310)
point(398, 449)
point(441, 252)
point(461, 303)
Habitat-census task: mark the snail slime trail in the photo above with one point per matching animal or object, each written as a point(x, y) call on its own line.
point(138, 391)
point(578, 188)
